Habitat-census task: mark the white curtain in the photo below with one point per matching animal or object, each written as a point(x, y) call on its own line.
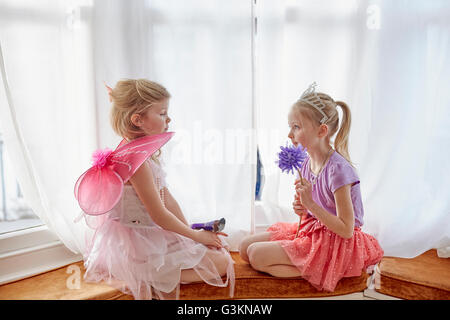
point(390, 61)
point(47, 109)
point(57, 55)
point(201, 52)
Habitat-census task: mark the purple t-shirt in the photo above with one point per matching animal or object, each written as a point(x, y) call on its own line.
point(336, 173)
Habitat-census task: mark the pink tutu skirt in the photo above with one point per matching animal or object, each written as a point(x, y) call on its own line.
point(147, 260)
point(323, 257)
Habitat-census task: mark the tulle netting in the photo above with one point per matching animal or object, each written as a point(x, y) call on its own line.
point(322, 256)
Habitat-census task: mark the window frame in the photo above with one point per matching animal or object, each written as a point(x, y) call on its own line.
point(28, 252)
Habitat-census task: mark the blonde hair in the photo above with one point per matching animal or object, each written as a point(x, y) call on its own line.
point(133, 96)
point(130, 97)
point(341, 140)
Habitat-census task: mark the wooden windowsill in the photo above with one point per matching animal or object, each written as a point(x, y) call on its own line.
point(65, 283)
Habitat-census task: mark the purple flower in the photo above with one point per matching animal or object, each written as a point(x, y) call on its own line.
point(291, 158)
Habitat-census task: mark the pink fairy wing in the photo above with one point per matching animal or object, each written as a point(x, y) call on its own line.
point(77, 184)
point(98, 190)
point(127, 158)
point(124, 141)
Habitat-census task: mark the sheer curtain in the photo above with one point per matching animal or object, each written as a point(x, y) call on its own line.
point(389, 60)
point(57, 55)
point(201, 52)
point(47, 108)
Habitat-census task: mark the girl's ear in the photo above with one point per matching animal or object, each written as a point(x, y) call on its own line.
point(136, 120)
point(323, 130)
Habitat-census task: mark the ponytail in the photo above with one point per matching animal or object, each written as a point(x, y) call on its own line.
point(318, 104)
point(341, 140)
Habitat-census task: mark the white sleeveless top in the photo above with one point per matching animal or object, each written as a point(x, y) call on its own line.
point(130, 210)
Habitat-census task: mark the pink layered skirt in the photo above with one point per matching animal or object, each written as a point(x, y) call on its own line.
point(323, 257)
point(146, 261)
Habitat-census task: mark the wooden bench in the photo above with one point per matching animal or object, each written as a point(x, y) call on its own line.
point(250, 284)
point(425, 277)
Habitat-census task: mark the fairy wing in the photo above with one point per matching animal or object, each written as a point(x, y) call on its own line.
point(127, 158)
point(99, 189)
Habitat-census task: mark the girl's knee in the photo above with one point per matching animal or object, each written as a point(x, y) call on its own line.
point(220, 260)
point(248, 241)
point(255, 252)
point(243, 246)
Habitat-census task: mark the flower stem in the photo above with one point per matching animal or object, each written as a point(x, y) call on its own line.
point(300, 219)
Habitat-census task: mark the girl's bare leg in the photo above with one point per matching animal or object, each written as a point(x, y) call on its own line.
point(219, 259)
point(269, 256)
point(243, 247)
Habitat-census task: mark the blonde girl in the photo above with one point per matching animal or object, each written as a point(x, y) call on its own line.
point(330, 244)
point(144, 245)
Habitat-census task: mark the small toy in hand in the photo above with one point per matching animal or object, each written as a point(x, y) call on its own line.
point(291, 158)
point(214, 226)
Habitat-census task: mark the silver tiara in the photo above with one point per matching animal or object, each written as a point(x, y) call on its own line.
point(310, 97)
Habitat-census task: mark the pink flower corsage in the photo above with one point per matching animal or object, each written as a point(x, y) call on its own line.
point(100, 157)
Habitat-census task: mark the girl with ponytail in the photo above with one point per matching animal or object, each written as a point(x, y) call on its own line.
point(330, 244)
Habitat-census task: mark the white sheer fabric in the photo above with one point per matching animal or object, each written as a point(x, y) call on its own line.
point(201, 52)
point(57, 55)
point(48, 113)
point(389, 61)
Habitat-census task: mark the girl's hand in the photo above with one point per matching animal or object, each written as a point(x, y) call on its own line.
point(209, 238)
point(299, 209)
point(304, 192)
